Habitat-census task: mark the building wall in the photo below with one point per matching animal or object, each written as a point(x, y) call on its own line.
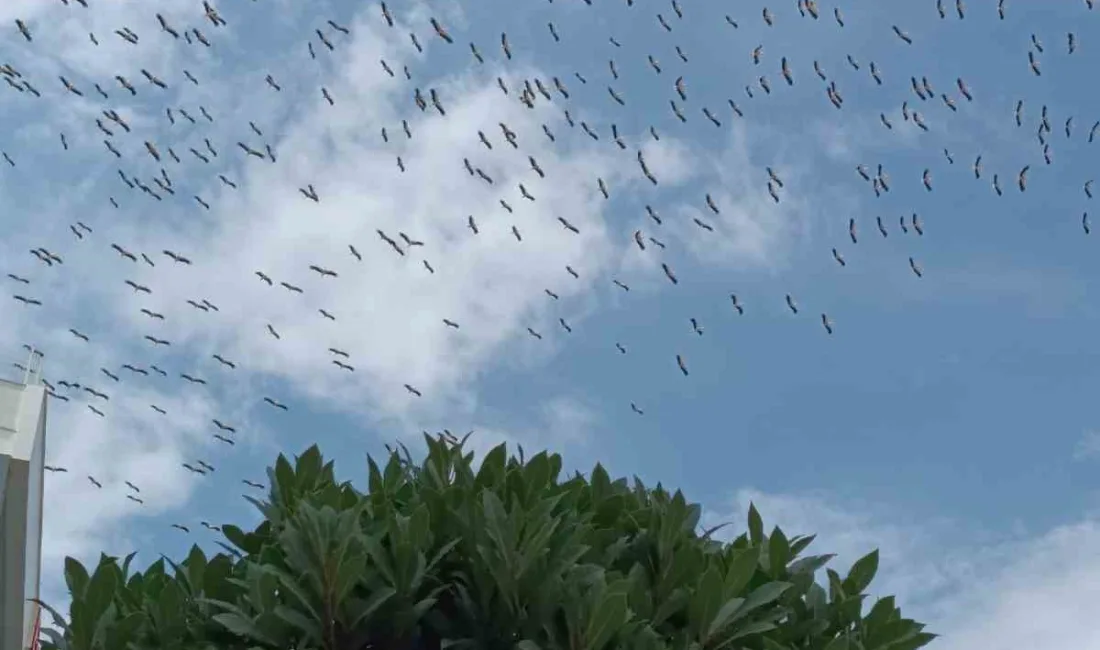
point(22, 454)
point(9, 409)
point(32, 561)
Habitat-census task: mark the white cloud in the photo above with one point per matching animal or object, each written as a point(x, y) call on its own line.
point(671, 161)
point(389, 309)
point(1088, 446)
point(1040, 593)
point(850, 533)
point(750, 228)
point(1014, 593)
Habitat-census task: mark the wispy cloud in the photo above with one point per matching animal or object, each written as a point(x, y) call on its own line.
point(1088, 446)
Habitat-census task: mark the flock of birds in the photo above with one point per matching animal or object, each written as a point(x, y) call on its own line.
point(143, 165)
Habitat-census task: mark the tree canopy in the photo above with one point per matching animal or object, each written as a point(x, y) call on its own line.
point(510, 555)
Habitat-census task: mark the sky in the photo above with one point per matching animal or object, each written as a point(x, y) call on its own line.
point(945, 419)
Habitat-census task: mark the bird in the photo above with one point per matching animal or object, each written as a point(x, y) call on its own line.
point(138, 288)
point(669, 274)
point(22, 27)
point(827, 323)
point(902, 34)
point(681, 364)
point(441, 32)
point(222, 360)
point(323, 272)
point(276, 404)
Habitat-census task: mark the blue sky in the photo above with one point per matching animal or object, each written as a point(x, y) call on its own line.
point(947, 416)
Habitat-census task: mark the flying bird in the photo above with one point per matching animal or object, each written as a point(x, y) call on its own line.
point(276, 404)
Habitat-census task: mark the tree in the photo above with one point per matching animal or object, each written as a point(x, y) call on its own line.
point(508, 557)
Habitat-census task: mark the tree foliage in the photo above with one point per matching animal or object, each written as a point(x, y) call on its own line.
point(508, 557)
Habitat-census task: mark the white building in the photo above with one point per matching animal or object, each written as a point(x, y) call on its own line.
point(22, 456)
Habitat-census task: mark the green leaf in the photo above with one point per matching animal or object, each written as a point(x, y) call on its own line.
point(839, 643)
point(241, 626)
point(817, 600)
point(101, 589)
point(880, 612)
point(862, 573)
point(741, 570)
point(238, 538)
point(308, 466)
point(366, 609)
point(122, 631)
point(309, 628)
point(76, 577)
point(605, 621)
point(492, 466)
point(724, 617)
point(837, 590)
point(756, 525)
point(884, 635)
point(759, 627)
point(762, 595)
point(800, 543)
point(527, 644)
point(706, 601)
point(126, 563)
point(779, 551)
point(375, 485)
point(919, 641)
point(58, 619)
point(810, 564)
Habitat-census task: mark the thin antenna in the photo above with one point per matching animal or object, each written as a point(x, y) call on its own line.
point(33, 373)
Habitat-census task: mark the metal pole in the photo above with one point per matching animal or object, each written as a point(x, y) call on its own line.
point(33, 370)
